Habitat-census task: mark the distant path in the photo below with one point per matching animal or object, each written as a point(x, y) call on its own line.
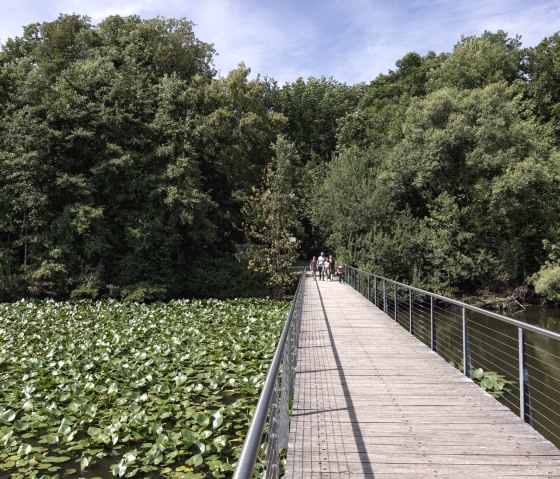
point(373, 401)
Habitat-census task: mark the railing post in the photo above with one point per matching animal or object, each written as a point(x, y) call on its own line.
point(433, 324)
point(466, 353)
point(384, 295)
point(362, 283)
point(375, 290)
point(368, 276)
point(524, 394)
point(395, 298)
point(410, 315)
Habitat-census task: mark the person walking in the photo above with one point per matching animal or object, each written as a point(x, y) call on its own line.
point(333, 267)
point(327, 269)
point(341, 270)
point(313, 268)
point(320, 262)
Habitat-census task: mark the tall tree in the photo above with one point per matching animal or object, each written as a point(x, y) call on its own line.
point(271, 219)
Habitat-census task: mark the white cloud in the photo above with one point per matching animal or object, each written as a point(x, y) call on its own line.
point(351, 40)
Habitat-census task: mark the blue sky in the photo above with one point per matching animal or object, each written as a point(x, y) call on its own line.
point(350, 40)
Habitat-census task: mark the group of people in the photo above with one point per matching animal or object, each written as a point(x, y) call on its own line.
point(326, 267)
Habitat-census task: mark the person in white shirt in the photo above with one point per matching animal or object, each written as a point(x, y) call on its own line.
point(320, 262)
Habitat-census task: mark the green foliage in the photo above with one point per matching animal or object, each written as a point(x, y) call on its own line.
point(542, 66)
point(122, 157)
point(129, 169)
point(313, 109)
point(271, 221)
point(455, 191)
point(94, 388)
point(547, 279)
point(493, 383)
point(480, 61)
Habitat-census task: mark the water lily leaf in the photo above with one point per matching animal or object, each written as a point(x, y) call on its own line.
point(25, 449)
point(201, 446)
point(220, 441)
point(7, 416)
point(218, 420)
point(196, 460)
point(20, 426)
point(188, 437)
point(56, 459)
point(202, 419)
point(118, 469)
point(52, 439)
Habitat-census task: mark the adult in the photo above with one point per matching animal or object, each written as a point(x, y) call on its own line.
point(313, 268)
point(320, 263)
point(327, 269)
point(333, 267)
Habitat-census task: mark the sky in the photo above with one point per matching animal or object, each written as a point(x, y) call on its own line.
point(351, 41)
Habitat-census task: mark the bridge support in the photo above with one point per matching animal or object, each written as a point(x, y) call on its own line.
point(410, 314)
point(433, 325)
point(466, 352)
point(524, 393)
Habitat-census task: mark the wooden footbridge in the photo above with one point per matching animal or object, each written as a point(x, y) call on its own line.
point(372, 401)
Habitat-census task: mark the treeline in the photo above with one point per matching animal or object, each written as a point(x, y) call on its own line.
point(127, 166)
point(446, 175)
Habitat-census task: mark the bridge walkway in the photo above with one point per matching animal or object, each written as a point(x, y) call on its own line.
point(371, 401)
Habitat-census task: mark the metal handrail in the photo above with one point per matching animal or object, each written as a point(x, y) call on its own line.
point(455, 302)
point(274, 404)
point(361, 281)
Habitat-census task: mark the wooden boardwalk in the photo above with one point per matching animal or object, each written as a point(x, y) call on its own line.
point(372, 401)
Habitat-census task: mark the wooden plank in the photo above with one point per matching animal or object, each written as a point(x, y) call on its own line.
point(373, 401)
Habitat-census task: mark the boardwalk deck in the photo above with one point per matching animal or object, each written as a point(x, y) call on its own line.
point(371, 401)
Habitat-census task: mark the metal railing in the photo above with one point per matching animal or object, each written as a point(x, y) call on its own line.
point(273, 408)
point(526, 357)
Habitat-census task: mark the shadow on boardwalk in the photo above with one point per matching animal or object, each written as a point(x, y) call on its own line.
point(372, 401)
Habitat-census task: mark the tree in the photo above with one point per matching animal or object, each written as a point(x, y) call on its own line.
point(122, 157)
point(313, 109)
point(543, 86)
point(271, 220)
point(547, 279)
point(480, 61)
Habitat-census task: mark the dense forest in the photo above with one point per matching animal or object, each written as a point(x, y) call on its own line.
point(130, 169)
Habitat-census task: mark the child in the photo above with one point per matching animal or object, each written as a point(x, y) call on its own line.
point(341, 271)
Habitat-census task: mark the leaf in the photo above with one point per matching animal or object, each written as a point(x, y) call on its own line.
point(202, 419)
point(188, 437)
point(477, 373)
point(218, 420)
point(195, 460)
point(52, 439)
point(56, 459)
point(201, 446)
point(25, 449)
point(8, 415)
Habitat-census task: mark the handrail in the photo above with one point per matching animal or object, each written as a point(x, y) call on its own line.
point(466, 341)
point(285, 355)
point(455, 302)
